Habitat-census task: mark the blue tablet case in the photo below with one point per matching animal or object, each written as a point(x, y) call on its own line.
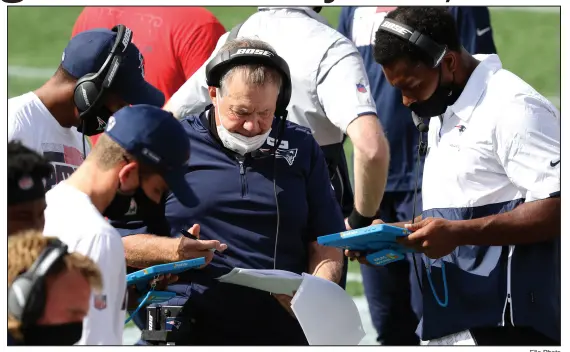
point(379, 241)
point(145, 275)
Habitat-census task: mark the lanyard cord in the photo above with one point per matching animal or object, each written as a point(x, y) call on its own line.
point(422, 151)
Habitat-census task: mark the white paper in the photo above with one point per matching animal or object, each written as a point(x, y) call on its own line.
point(274, 281)
point(326, 313)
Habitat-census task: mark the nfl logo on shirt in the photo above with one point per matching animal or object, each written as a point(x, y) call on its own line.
point(361, 88)
point(100, 302)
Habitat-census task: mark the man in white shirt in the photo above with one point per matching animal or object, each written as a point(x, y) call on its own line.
point(49, 120)
point(130, 157)
point(491, 187)
point(331, 96)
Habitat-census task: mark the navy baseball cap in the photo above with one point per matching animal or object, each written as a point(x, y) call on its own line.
point(156, 138)
point(87, 51)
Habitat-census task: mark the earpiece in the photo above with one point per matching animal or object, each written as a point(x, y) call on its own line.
point(226, 60)
point(27, 294)
point(90, 89)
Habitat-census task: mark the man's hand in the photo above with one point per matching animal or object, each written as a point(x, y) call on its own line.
point(189, 248)
point(434, 237)
point(285, 301)
point(355, 255)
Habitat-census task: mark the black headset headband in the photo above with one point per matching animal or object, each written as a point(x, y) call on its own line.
point(422, 41)
point(27, 294)
point(103, 79)
point(226, 60)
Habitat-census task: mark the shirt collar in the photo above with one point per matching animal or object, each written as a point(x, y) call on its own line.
point(307, 10)
point(476, 85)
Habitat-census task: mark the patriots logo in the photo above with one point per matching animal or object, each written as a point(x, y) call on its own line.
point(102, 124)
point(288, 154)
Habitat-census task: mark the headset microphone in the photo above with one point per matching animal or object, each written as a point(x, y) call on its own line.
point(419, 122)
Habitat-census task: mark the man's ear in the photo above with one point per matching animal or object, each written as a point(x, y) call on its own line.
point(450, 61)
point(212, 92)
point(129, 176)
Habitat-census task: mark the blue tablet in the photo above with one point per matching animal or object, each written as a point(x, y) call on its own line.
point(145, 275)
point(367, 239)
point(157, 297)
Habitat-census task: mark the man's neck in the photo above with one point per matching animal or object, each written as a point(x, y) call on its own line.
point(58, 100)
point(468, 65)
point(100, 186)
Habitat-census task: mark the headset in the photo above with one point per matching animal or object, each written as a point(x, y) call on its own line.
point(27, 294)
point(436, 52)
point(226, 60)
point(90, 89)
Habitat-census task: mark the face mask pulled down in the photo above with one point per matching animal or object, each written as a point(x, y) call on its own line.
point(444, 96)
point(235, 141)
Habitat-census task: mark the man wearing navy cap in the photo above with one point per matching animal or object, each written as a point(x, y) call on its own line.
point(130, 160)
point(49, 121)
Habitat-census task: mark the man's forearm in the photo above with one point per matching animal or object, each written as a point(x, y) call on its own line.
point(142, 251)
point(528, 223)
point(370, 175)
point(325, 262)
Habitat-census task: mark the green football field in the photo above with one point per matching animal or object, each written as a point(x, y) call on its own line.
point(528, 42)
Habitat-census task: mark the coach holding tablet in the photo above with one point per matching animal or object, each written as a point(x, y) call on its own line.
point(264, 190)
point(490, 227)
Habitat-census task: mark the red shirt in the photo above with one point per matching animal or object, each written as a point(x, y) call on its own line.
point(175, 41)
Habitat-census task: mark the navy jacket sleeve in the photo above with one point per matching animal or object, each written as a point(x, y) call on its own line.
point(344, 21)
point(325, 216)
point(474, 27)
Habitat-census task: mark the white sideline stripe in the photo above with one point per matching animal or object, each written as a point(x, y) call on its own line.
point(45, 73)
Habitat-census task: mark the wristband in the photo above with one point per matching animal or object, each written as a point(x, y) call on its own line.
point(357, 220)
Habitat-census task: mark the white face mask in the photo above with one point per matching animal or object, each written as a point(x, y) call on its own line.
point(235, 141)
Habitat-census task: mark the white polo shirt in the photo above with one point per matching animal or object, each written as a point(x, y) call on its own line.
point(495, 148)
point(71, 216)
point(330, 84)
point(30, 122)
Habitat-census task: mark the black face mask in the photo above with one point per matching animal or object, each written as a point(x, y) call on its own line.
point(444, 96)
point(96, 123)
point(137, 204)
point(53, 335)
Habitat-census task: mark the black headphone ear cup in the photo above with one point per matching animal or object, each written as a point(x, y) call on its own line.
point(18, 296)
point(86, 92)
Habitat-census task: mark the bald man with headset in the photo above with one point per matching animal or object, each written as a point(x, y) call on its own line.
point(267, 204)
point(330, 96)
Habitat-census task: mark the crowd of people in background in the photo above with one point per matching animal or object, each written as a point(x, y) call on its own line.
point(163, 136)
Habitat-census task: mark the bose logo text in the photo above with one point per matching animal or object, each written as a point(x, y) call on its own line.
point(395, 28)
point(254, 52)
point(127, 37)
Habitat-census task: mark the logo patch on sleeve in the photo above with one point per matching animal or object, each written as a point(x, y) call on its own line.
point(100, 302)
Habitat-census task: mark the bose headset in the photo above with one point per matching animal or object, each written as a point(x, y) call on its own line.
point(226, 60)
point(90, 89)
point(436, 52)
point(27, 294)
